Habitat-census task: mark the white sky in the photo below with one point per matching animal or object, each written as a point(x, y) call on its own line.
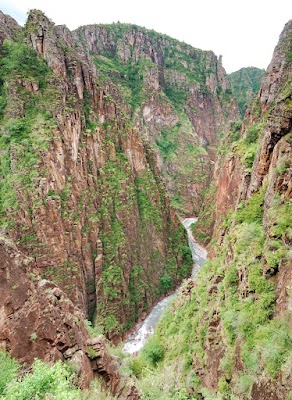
point(244, 32)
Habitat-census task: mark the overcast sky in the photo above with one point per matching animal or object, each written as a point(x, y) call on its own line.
point(245, 32)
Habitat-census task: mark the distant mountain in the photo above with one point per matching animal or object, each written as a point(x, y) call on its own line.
point(245, 84)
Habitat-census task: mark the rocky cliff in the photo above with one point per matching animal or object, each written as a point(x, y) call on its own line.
point(229, 336)
point(80, 190)
point(99, 113)
point(37, 320)
point(9, 28)
point(180, 98)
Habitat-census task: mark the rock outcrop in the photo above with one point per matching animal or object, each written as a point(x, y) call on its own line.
point(107, 367)
point(241, 183)
point(271, 116)
point(242, 171)
point(8, 28)
point(37, 320)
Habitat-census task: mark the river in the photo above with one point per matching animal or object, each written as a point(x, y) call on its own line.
point(139, 336)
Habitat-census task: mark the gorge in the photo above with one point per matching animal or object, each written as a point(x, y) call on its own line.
point(137, 339)
point(110, 135)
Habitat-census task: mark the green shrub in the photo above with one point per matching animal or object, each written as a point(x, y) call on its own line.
point(235, 129)
point(96, 392)
point(153, 351)
point(249, 155)
point(227, 363)
point(93, 330)
point(46, 381)
point(276, 343)
point(249, 240)
point(244, 384)
point(252, 211)
point(33, 337)
point(252, 134)
point(279, 216)
point(223, 387)
point(257, 282)
point(165, 283)
point(177, 96)
point(9, 370)
point(166, 146)
point(19, 58)
point(282, 165)
point(137, 365)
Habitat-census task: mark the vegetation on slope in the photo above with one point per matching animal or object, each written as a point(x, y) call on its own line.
point(231, 304)
point(225, 336)
point(26, 124)
point(44, 381)
point(231, 307)
point(245, 84)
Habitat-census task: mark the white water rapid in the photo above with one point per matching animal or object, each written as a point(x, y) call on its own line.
point(138, 338)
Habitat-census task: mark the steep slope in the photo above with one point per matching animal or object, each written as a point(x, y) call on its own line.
point(80, 191)
point(39, 321)
point(245, 84)
point(180, 99)
point(229, 336)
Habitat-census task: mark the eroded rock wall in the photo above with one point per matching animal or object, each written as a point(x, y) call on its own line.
point(88, 202)
point(181, 101)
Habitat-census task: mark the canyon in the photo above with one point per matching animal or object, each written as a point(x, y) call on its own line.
point(110, 136)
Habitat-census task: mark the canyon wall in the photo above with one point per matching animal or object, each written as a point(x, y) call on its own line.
point(81, 193)
point(91, 120)
point(38, 320)
point(180, 97)
point(232, 329)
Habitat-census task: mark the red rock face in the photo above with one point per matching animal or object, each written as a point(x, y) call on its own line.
point(271, 169)
point(233, 183)
point(85, 213)
point(104, 364)
point(8, 28)
point(230, 184)
point(204, 113)
point(37, 318)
